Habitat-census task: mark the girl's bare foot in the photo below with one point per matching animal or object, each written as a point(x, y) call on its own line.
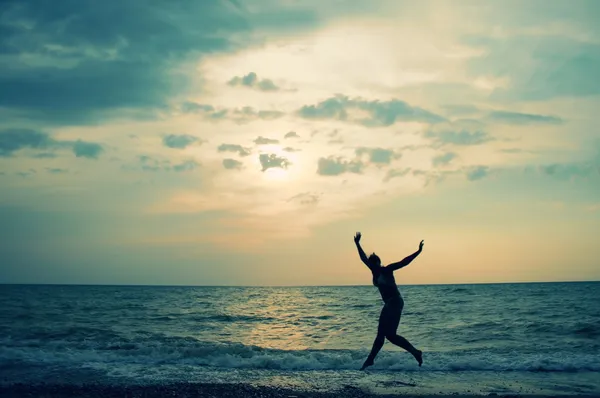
point(419, 357)
point(368, 362)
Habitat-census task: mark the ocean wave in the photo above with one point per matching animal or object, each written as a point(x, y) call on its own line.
point(189, 351)
point(587, 330)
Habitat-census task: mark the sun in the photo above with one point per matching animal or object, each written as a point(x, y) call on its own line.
point(276, 174)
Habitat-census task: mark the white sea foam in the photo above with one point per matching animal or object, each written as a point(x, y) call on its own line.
point(189, 352)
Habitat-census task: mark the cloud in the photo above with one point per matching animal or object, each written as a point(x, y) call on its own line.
point(522, 118)
point(290, 149)
point(291, 134)
point(90, 150)
point(45, 155)
point(56, 170)
point(539, 67)
point(194, 107)
point(462, 110)
point(381, 113)
point(234, 148)
point(305, 198)
point(269, 161)
point(248, 114)
point(593, 207)
point(251, 80)
point(513, 150)
point(149, 163)
point(265, 141)
point(378, 155)
point(232, 164)
point(187, 165)
point(444, 159)
point(477, 173)
point(332, 166)
point(241, 115)
point(179, 141)
point(396, 173)
point(570, 170)
point(459, 138)
point(434, 176)
point(25, 174)
point(12, 140)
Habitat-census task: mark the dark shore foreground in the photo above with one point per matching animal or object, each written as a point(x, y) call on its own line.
point(197, 390)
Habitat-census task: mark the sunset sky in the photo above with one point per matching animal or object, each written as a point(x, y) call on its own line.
point(244, 142)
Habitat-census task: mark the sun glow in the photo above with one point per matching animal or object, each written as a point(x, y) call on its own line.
point(276, 174)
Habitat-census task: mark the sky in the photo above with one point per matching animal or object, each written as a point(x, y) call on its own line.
point(238, 142)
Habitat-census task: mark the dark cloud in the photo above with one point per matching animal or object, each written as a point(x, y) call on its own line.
point(251, 80)
point(85, 58)
point(84, 61)
point(232, 164)
point(265, 141)
point(291, 134)
point(522, 118)
point(477, 173)
point(234, 148)
point(179, 141)
point(90, 150)
point(382, 113)
point(12, 140)
point(378, 155)
point(444, 159)
point(290, 149)
point(269, 161)
point(332, 166)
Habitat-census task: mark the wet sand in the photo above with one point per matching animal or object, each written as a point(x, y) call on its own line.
point(202, 390)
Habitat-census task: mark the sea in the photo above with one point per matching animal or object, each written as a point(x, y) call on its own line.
point(478, 338)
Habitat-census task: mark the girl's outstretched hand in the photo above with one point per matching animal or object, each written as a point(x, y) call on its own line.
point(421, 245)
point(357, 237)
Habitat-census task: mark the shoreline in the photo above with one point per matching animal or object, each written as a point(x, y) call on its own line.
point(214, 390)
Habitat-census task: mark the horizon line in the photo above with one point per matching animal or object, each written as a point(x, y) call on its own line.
point(290, 286)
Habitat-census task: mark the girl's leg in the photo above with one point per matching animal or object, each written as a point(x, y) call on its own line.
point(377, 344)
point(380, 339)
point(394, 338)
point(403, 343)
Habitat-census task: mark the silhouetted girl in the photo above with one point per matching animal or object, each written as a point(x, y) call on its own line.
point(383, 278)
